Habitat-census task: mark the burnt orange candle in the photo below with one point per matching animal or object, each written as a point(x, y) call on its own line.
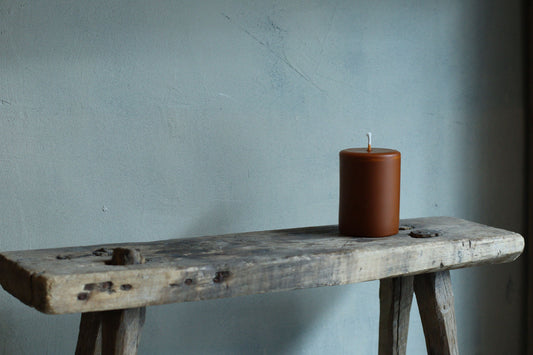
point(369, 204)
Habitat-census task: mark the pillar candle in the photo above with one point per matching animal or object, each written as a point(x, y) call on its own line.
point(369, 204)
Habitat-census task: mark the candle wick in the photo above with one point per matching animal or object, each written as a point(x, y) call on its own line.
point(369, 136)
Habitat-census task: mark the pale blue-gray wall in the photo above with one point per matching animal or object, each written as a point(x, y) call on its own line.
point(145, 120)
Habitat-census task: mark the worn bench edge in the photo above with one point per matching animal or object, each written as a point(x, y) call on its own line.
point(40, 299)
point(12, 275)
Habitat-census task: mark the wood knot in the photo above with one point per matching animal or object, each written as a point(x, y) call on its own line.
point(221, 276)
point(424, 233)
point(106, 286)
point(126, 256)
point(126, 287)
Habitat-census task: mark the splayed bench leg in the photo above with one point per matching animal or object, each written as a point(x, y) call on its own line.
point(435, 301)
point(395, 296)
point(90, 334)
point(115, 332)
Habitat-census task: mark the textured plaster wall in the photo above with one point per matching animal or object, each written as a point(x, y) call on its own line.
point(145, 120)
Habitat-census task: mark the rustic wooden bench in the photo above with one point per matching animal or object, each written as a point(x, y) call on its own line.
point(112, 284)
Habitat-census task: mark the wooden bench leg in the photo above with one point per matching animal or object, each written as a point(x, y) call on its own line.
point(90, 336)
point(121, 331)
point(114, 332)
point(395, 297)
point(435, 301)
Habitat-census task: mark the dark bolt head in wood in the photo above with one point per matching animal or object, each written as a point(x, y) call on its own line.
point(89, 287)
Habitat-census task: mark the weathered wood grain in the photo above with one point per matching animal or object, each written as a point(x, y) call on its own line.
point(434, 296)
point(395, 297)
point(81, 279)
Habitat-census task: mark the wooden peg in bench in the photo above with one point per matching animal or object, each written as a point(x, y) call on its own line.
point(115, 332)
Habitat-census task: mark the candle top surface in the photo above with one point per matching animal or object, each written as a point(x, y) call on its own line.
point(374, 152)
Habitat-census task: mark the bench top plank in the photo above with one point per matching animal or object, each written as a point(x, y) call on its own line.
point(77, 279)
